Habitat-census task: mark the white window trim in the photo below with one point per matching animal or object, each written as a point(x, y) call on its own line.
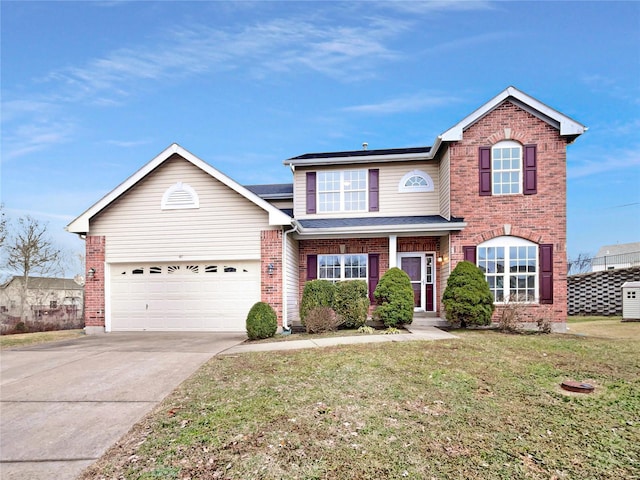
point(193, 200)
point(342, 209)
point(508, 144)
point(506, 242)
point(403, 188)
point(342, 267)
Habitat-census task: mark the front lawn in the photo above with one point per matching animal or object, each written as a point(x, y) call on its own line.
point(26, 339)
point(605, 327)
point(484, 406)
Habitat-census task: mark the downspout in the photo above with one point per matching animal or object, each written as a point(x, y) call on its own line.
point(285, 327)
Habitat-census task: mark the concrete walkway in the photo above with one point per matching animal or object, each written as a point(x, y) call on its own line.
point(421, 330)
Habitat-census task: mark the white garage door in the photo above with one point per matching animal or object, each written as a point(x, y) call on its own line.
point(197, 296)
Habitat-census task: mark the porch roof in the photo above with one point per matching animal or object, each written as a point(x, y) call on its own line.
point(433, 224)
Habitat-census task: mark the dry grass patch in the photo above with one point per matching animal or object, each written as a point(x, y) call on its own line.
point(604, 327)
point(26, 339)
point(483, 406)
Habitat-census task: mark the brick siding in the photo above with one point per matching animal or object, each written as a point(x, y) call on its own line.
point(540, 218)
point(94, 287)
point(271, 284)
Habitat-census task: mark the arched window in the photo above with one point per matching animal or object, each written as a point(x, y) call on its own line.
point(506, 168)
point(510, 265)
point(178, 196)
point(416, 181)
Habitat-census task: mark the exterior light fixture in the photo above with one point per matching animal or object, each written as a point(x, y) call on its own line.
point(440, 259)
point(270, 269)
point(91, 273)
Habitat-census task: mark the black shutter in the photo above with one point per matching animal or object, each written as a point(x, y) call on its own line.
point(530, 186)
point(374, 175)
point(470, 254)
point(312, 267)
point(484, 170)
point(374, 274)
point(546, 273)
point(311, 192)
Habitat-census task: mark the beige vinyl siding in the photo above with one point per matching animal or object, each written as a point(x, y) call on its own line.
point(291, 279)
point(226, 226)
point(445, 190)
point(392, 202)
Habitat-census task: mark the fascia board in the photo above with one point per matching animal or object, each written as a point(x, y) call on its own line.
point(359, 159)
point(81, 223)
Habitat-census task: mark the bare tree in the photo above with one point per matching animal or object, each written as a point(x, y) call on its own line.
point(31, 251)
point(579, 264)
point(3, 225)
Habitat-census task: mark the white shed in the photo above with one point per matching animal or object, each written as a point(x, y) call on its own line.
point(631, 301)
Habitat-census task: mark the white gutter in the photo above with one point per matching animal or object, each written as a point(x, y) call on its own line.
point(285, 325)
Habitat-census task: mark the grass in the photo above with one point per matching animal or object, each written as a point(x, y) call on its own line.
point(603, 327)
point(26, 339)
point(484, 406)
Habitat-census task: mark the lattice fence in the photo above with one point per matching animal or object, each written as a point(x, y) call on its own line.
point(599, 293)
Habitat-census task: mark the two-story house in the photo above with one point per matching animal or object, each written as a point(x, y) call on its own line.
point(181, 246)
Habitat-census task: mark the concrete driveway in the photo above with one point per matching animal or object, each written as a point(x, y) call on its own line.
point(63, 404)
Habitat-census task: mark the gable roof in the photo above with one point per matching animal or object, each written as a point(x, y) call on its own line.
point(47, 283)
point(618, 249)
point(81, 224)
point(567, 127)
point(273, 191)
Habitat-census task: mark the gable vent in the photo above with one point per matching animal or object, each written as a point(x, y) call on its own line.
point(180, 196)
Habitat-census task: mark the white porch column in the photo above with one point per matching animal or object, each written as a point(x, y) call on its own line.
point(393, 250)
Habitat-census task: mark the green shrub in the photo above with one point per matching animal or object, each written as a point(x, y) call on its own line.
point(351, 302)
point(394, 295)
point(467, 299)
point(322, 319)
point(316, 293)
point(262, 321)
point(21, 327)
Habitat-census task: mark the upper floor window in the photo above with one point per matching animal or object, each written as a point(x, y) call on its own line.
point(510, 265)
point(416, 181)
point(342, 191)
point(506, 168)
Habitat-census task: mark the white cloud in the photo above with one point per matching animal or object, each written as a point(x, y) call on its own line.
point(412, 103)
point(128, 143)
point(623, 160)
point(34, 137)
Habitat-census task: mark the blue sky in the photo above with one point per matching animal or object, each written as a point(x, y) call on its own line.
point(91, 91)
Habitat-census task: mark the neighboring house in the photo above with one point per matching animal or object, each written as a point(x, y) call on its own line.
point(48, 300)
point(610, 257)
point(181, 246)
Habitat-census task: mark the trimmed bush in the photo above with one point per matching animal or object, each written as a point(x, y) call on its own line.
point(322, 319)
point(394, 296)
point(467, 299)
point(316, 293)
point(351, 302)
point(262, 321)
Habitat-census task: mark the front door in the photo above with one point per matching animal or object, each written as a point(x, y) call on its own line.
point(419, 267)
